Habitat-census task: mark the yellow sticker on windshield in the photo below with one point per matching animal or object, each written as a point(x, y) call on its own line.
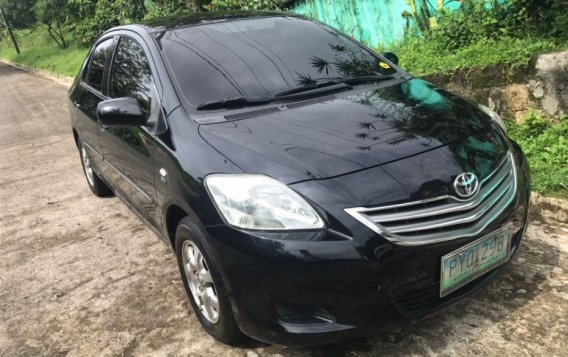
point(384, 65)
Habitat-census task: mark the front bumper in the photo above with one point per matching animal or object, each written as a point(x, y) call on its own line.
point(325, 287)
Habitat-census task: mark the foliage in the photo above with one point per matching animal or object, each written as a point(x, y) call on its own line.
point(220, 5)
point(547, 17)
point(164, 8)
point(495, 19)
point(545, 143)
point(19, 13)
point(78, 10)
point(52, 14)
point(107, 14)
point(476, 20)
point(482, 33)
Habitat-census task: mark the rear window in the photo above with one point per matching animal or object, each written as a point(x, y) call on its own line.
point(261, 57)
point(97, 64)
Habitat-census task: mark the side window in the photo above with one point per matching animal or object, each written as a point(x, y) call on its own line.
point(97, 64)
point(131, 75)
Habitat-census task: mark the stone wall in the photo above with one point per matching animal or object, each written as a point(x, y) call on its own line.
point(542, 85)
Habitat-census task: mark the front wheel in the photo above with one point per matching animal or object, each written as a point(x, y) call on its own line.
point(202, 283)
point(96, 184)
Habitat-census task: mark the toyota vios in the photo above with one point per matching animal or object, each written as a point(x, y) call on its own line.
point(310, 189)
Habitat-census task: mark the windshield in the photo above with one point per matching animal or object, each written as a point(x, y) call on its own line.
point(262, 57)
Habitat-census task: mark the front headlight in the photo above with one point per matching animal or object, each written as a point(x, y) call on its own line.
point(496, 118)
point(260, 202)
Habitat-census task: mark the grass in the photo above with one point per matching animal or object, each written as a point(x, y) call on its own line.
point(545, 143)
point(421, 57)
point(38, 50)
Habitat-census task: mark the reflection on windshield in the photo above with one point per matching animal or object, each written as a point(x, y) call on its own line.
point(261, 57)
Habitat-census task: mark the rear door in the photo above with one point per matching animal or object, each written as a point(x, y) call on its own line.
point(129, 150)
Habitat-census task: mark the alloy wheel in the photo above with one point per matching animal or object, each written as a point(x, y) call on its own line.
point(200, 281)
point(87, 167)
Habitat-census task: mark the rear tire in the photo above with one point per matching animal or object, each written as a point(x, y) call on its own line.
point(96, 184)
point(203, 284)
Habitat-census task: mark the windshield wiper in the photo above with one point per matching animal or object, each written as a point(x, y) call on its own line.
point(237, 102)
point(328, 82)
point(327, 85)
point(292, 94)
point(308, 88)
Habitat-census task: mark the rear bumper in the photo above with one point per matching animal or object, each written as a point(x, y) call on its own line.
point(323, 289)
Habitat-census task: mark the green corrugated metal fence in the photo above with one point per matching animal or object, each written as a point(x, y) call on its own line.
point(375, 22)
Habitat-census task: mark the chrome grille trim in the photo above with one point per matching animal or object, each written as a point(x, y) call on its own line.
point(446, 217)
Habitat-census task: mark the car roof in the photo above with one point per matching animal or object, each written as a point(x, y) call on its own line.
point(157, 27)
point(168, 23)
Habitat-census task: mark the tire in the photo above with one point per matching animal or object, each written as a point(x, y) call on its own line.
point(96, 184)
point(190, 236)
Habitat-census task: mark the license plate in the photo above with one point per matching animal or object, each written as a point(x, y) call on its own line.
point(473, 260)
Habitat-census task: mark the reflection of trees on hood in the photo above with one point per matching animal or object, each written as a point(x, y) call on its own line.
point(414, 109)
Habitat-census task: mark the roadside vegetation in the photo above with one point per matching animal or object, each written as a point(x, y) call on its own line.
point(55, 35)
point(39, 51)
point(545, 143)
point(484, 33)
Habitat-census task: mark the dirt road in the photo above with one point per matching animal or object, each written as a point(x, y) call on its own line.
point(82, 276)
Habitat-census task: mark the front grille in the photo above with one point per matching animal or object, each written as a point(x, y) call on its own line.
point(427, 298)
point(418, 300)
point(446, 217)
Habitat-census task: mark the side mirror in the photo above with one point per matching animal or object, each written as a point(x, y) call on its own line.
point(391, 56)
point(120, 112)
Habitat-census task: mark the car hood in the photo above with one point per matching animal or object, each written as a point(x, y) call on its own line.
point(346, 132)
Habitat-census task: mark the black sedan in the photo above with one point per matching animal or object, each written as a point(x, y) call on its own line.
point(310, 189)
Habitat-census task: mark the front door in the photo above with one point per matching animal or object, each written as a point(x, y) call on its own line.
point(88, 95)
point(129, 151)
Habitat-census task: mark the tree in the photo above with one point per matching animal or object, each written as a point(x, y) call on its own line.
point(107, 14)
point(9, 31)
point(79, 10)
point(52, 14)
point(19, 13)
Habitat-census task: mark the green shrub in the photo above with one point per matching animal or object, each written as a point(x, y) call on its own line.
point(108, 13)
point(482, 33)
point(476, 20)
point(545, 143)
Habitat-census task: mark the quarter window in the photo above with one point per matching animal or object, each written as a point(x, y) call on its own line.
point(131, 75)
point(96, 69)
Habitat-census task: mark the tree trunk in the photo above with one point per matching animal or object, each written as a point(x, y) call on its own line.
point(10, 34)
point(53, 33)
point(60, 33)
